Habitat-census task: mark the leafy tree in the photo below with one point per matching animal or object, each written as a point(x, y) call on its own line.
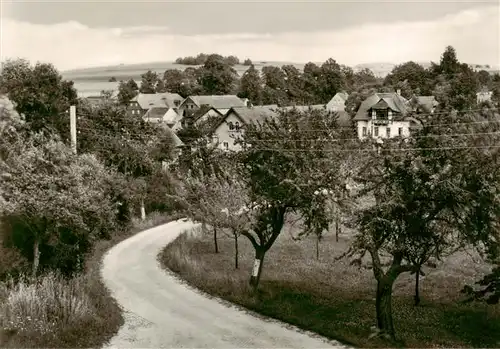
point(251, 86)
point(248, 62)
point(331, 80)
point(127, 90)
point(429, 199)
point(55, 204)
point(412, 73)
point(294, 88)
point(484, 79)
point(217, 76)
point(449, 64)
point(284, 166)
point(311, 84)
point(149, 80)
point(39, 93)
point(274, 86)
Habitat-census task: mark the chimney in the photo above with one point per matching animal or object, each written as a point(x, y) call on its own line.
point(398, 91)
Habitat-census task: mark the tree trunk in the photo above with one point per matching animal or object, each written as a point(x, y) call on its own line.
point(337, 228)
point(384, 307)
point(257, 268)
point(143, 211)
point(317, 247)
point(236, 251)
point(417, 291)
point(36, 258)
point(216, 244)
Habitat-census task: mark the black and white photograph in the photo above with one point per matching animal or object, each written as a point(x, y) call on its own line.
point(249, 174)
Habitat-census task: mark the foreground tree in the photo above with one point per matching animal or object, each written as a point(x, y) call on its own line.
point(55, 204)
point(430, 195)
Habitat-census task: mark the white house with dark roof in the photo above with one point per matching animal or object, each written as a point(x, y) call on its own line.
point(384, 115)
point(164, 115)
point(231, 126)
point(221, 103)
point(141, 103)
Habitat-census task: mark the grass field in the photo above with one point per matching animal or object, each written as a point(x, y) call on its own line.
point(335, 299)
point(58, 314)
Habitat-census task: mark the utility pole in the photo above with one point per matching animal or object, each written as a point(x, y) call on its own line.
point(72, 120)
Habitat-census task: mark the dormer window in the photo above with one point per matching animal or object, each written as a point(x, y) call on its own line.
point(231, 126)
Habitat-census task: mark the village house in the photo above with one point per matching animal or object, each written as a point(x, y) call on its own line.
point(484, 96)
point(164, 115)
point(141, 103)
point(221, 103)
point(229, 128)
point(337, 103)
point(384, 115)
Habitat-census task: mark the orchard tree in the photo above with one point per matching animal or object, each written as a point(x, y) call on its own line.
point(39, 93)
point(284, 166)
point(432, 194)
point(127, 90)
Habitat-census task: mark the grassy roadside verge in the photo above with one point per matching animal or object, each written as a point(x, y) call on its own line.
point(87, 316)
point(335, 299)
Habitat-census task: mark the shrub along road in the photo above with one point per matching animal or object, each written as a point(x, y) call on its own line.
point(160, 311)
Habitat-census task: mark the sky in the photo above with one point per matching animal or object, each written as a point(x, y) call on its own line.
point(76, 34)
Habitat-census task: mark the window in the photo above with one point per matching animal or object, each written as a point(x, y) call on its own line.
point(375, 131)
point(364, 131)
point(176, 103)
point(231, 126)
point(226, 145)
point(237, 126)
point(388, 132)
point(400, 131)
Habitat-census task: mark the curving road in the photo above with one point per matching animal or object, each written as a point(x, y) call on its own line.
point(161, 312)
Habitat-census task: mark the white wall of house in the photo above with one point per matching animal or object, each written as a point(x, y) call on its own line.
point(225, 136)
point(396, 128)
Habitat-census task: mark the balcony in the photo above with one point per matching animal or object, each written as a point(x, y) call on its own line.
point(381, 121)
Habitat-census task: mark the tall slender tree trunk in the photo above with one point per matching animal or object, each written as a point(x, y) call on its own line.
point(257, 268)
point(143, 211)
point(417, 287)
point(216, 243)
point(36, 258)
point(317, 247)
point(236, 251)
point(337, 228)
point(383, 305)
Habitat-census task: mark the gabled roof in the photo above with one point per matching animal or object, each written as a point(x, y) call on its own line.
point(254, 114)
point(303, 108)
point(148, 100)
point(218, 102)
point(156, 113)
point(203, 110)
point(393, 100)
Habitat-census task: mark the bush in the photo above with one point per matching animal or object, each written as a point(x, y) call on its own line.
point(43, 307)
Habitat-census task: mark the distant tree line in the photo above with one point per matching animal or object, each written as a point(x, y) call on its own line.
point(202, 58)
point(453, 83)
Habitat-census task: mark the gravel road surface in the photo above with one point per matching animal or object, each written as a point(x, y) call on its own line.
point(162, 312)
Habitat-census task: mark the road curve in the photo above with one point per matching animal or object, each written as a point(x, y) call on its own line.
point(162, 312)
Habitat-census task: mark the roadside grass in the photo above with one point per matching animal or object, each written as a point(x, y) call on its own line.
point(335, 299)
point(58, 313)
